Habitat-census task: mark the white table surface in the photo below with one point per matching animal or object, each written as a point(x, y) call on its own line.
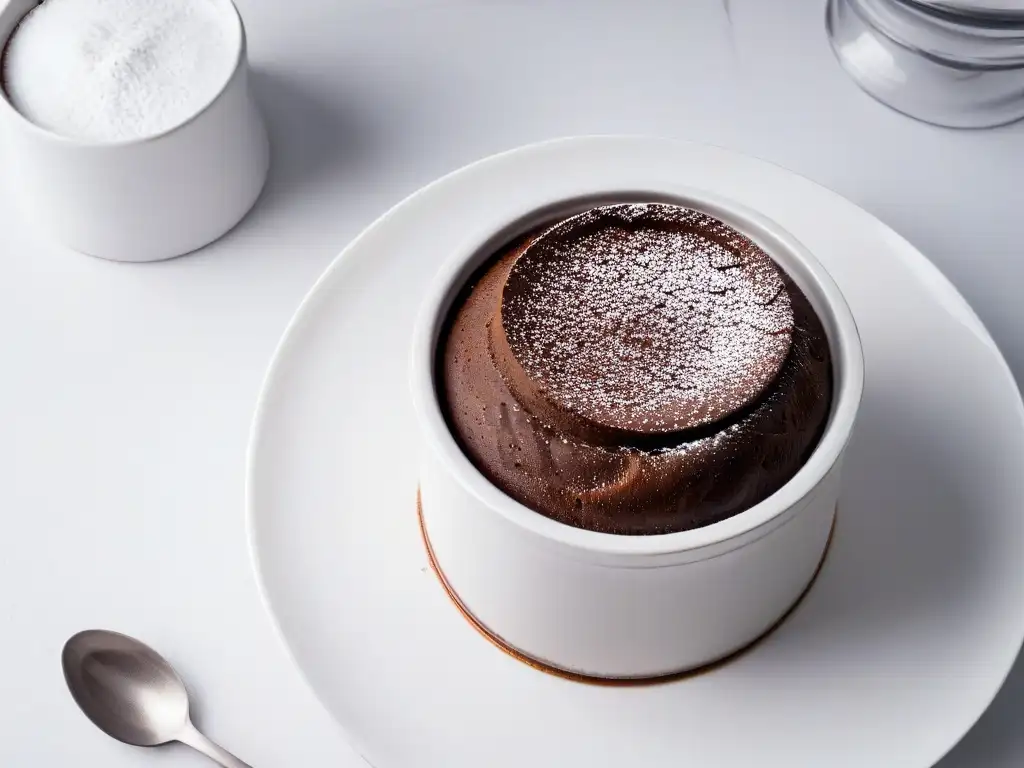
point(126, 390)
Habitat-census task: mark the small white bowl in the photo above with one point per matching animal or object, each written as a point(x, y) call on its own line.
point(609, 606)
point(144, 199)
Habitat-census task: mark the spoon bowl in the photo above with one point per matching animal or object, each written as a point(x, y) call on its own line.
point(126, 688)
point(132, 694)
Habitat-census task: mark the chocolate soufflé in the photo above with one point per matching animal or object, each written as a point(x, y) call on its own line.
point(635, 369)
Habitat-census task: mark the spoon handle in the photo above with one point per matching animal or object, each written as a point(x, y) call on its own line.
point(200, 743)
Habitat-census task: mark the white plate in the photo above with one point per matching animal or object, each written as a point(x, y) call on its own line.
point(899, 647)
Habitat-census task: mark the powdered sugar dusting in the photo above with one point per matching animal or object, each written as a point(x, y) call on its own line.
point(651, 318)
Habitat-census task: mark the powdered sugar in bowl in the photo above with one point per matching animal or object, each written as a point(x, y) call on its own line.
point(127, 126)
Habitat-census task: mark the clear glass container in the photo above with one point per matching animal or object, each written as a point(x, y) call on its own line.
point(955, 63)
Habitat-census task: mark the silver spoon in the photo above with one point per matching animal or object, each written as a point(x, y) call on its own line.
point(131, 693)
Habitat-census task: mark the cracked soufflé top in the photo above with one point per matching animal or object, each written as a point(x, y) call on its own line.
point(635, 369)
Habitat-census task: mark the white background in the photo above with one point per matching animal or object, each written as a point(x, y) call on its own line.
point(126, 391)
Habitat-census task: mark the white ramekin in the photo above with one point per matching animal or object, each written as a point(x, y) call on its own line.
point(610, 606)
point(145, 199)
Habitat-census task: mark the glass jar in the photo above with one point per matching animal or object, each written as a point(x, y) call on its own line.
point(950, 62)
